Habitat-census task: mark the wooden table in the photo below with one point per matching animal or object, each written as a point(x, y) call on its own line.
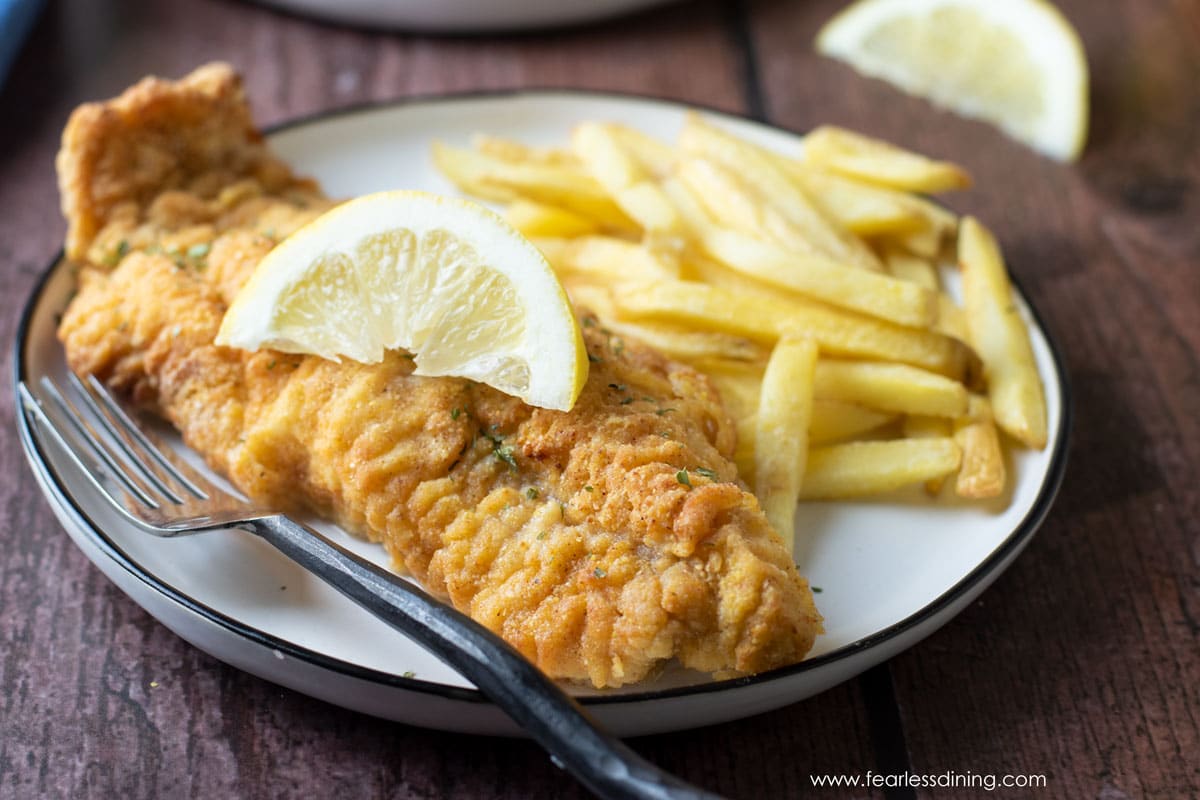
point(1082, 662)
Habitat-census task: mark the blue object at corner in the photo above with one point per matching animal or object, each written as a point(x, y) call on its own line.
point(16, 20)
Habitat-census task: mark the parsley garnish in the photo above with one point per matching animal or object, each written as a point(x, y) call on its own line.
point(456, 413)
point(504, 452)
point(627, 401)
point(595, 359)
point(588, 489)
point(117, 254)
point(664, 411)
point(198, 251)
point(706, 472)
point(682, 477)
point(500, 450)
point(817, 589)
point(531, 493)
point(600, 572)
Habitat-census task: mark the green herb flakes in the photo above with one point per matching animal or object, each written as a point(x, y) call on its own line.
point(504, 452)
point(682, 477)
point(198, 251)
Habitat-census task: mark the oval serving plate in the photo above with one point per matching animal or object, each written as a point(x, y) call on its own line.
point(891, 570)
point(462, 16)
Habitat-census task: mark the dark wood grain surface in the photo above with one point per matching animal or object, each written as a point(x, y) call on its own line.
point(1082, 662)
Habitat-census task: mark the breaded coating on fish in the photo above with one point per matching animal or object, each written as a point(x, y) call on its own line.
point(601, 542)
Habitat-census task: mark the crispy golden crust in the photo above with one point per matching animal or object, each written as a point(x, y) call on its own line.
point(194, 135)
point(568, 533)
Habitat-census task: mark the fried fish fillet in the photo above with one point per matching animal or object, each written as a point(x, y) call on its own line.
point(601, 542)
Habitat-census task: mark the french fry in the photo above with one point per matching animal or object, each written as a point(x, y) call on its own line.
point(923, 242)
point(835, 421)
point(745, 262)
point(540, 220)
point(922, 427)
point(908, 267)
point(832, 421)
point(820, 278)
point(745, 452)
point(656, 156)
point(898, 388)
point(691, 345)
point(623, 177)
point(606, 258)
point(694, 347)
point(738, 382)
point(552, 247)
point(469, 174)
point(519, 153)
point(591, 296)
point(857, 469)
point(696, 220)
point(811, 274)
point(951, 319)
point(757, 168)
point(552, 184)
point(764, 318)
point(982, 474)
point(999, 335)
point(939, 218)
point(875, 161)
point(781, 431)
point(733, 204)
point(860, 208)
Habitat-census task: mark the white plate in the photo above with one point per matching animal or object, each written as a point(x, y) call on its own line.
point(463, 16)
point(891, 571)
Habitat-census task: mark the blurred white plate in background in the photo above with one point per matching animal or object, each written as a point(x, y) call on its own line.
point(462, 16)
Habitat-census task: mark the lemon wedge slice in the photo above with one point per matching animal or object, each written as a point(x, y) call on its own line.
point(445, 279)
point(1017, 64)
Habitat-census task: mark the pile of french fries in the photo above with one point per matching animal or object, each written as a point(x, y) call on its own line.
point(806, 285)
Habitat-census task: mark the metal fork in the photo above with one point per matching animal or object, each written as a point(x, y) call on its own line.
point(158, 492)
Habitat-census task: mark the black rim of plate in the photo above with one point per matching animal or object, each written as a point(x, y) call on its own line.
point(1016, 539)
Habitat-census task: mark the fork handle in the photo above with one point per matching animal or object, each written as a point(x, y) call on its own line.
point(554, 720)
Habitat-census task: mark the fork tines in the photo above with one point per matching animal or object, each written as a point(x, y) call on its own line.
point(108, 446)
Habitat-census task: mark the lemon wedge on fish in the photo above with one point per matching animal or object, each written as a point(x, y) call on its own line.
point(1017, 64)
point(445, 279)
